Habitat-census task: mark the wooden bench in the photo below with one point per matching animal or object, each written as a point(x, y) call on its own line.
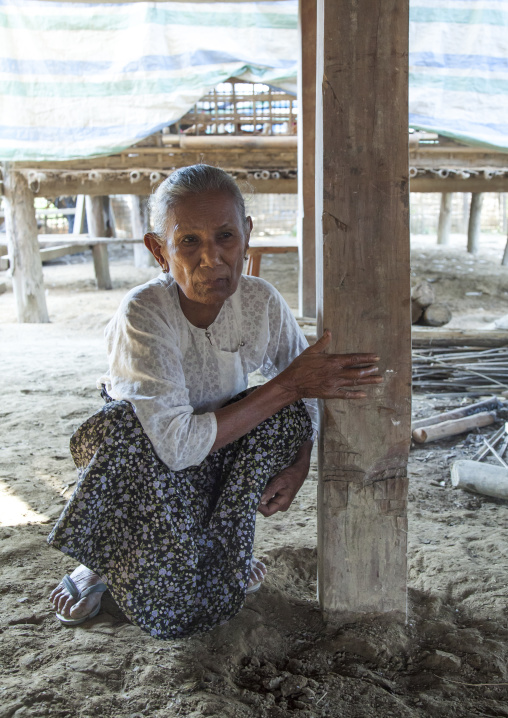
point(258, 247)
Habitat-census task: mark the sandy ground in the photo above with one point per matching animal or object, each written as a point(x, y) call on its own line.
point(277, 658)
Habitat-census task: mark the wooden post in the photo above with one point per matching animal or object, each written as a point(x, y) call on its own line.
point(142, 257)
point(97, 228)
point(445, 218)
point(362, 229)
point(307, 158)
point(504, 261)
point(79, 217)
point(475, 219)
point(23, 246)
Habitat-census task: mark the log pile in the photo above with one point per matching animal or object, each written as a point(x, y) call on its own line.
point(424, 308)
point(458, 421)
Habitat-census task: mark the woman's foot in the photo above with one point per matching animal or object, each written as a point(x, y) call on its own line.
point(67, 606)
point(257, 575)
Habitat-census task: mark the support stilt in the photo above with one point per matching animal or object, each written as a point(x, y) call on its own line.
point(23, 247)
point(474, 227)
point(362, 228)
point(445, 218)
point(307, 159)
point(97, 228)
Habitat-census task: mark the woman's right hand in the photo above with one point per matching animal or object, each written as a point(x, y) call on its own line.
point(317, 375)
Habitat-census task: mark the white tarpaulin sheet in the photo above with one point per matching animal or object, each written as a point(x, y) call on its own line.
point(458, 65)
point(80, 80)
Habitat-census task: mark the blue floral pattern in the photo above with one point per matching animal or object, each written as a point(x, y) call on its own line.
point(174, 547)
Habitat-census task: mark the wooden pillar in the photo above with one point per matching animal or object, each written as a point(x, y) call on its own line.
point(142, 257)
point(23, 246)
point(475, 219)
point(307, 158)
point(97, 228)
point(79, 217)
point(362, 229)
point(445, 218)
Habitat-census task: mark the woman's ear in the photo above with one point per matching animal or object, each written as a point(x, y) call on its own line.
point(153, 244)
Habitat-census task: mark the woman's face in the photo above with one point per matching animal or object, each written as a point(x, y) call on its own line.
point(205, 246)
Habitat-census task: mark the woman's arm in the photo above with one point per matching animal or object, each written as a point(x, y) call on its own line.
point(313, 374)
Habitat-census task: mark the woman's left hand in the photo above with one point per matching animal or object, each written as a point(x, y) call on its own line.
point(282, 489)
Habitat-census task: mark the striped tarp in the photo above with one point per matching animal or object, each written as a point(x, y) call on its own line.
point(79, 80)
point(458, 82)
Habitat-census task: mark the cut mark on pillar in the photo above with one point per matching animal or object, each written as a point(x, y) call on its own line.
point(340, 225)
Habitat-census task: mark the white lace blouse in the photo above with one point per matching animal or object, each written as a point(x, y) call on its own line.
point(176, 374)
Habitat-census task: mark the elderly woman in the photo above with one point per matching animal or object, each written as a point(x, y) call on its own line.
point(175, 465)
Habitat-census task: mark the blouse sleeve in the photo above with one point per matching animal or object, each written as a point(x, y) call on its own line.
point(286, 342)
point(145, 366)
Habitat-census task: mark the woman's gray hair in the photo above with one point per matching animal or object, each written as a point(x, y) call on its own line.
point(188, 181)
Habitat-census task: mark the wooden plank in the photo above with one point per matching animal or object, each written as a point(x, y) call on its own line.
point(307, 158)
point(50, 253)
point(364, 298)
point(85, 239)
point(474, 226)
point(97, 226)
point(24, 258)
point(445, 218)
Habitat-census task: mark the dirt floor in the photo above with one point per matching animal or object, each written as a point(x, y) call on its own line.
point(277, 658)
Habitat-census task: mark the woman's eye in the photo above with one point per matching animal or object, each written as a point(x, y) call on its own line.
point(227, 235)
point(188, 240)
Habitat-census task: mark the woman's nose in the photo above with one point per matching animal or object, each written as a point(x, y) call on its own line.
point(210, 255)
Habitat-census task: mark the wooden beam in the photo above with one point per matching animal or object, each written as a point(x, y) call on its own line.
point(307, 158)
point(97, 227)
point(362, 229)
point(427, 183)
point(475, 219)
point(24, 258)
point(70, 184)
point(445, 218)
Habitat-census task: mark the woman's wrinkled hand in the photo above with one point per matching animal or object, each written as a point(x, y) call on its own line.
point(318, 375)
point(282, 489)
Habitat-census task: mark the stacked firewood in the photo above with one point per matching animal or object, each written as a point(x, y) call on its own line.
point(425, 309)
